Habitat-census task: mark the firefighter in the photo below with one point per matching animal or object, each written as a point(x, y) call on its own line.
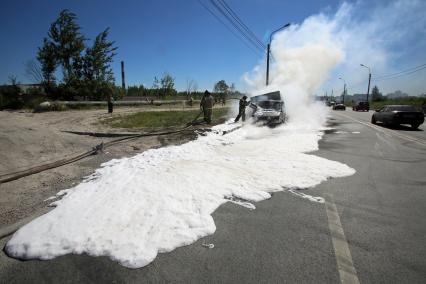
point(242, 109)
point(206, 105)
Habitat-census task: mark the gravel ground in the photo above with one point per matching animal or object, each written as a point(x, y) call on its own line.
point(29, 139)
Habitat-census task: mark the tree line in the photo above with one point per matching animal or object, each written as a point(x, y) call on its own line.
point(69, 66)
point(164, 88)
point(86, 69)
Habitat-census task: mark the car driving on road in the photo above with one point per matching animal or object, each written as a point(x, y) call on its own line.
point(398, 114)
point(364, 106)
point(339, 107)
point(268, 108)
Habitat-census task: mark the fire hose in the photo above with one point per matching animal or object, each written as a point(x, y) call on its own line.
point(34, 170)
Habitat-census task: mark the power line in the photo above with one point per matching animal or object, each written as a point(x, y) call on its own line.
point(404, 72)
point(228, 28)
point(242, 24)
point(359, 83)
point(401, 73)
point(237, 27)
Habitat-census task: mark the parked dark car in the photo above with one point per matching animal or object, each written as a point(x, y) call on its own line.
point(339, 107)
point(364, 106)
point(268, 108)
point(398, 114)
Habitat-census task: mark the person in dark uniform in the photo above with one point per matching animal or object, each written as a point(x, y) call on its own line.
point(242, 109)
point(206, 105)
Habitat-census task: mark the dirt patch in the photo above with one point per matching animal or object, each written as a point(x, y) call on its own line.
point(29, 139)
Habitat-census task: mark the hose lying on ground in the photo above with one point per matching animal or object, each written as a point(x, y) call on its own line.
point(34, 170)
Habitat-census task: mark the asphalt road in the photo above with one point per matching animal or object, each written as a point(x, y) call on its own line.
point(371, 229)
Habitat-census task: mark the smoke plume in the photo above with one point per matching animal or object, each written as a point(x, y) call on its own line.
point(308, 58)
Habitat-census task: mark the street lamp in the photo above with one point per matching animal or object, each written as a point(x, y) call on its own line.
point(369, 79)
point(344, 89)
point(269, 50)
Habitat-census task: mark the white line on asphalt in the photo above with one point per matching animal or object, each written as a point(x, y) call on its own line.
point(345, 265)
point(388, 131)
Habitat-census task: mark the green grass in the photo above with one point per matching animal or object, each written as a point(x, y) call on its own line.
point(156, 119)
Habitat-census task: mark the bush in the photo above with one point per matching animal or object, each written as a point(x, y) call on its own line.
point(10, 97)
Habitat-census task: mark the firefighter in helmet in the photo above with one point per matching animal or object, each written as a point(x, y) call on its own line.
point(206, 105)
point(242, 109)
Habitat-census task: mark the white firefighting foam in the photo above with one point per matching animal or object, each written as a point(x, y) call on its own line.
point(133, 208)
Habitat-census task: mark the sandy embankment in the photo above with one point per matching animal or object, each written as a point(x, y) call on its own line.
point(31, 139)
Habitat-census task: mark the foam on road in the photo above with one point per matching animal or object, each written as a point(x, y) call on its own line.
point(133, 208)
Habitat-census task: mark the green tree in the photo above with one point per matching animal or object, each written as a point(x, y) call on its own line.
point(86, 71)
point(46, 55)
point(222, 89)
point(68, 44)
point(376, 95)
point(96, 66)
point(167, 85)
point(155, 87)
point(136, 91)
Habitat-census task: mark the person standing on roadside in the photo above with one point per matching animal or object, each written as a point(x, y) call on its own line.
point(206, 104)
point(242, 109)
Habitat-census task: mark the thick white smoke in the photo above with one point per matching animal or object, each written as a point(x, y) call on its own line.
point(303, 57)
point(311, 56)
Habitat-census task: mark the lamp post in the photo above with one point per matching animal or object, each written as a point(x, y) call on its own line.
point(344, 89)
point(369, 79)
point(269, 50)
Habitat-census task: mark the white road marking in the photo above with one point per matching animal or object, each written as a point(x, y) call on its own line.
point(307, 196)
point(388, 131)
point(345, 265)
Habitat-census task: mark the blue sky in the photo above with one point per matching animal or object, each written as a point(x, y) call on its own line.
point(153, 37)
point(179, 37)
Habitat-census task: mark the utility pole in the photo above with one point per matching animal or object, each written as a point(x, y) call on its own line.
point(344, 93)
point(369, 80)
point(123, 82)
point(269, 50)
point(344, 90)
point(267, 64)
point(368, 90)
